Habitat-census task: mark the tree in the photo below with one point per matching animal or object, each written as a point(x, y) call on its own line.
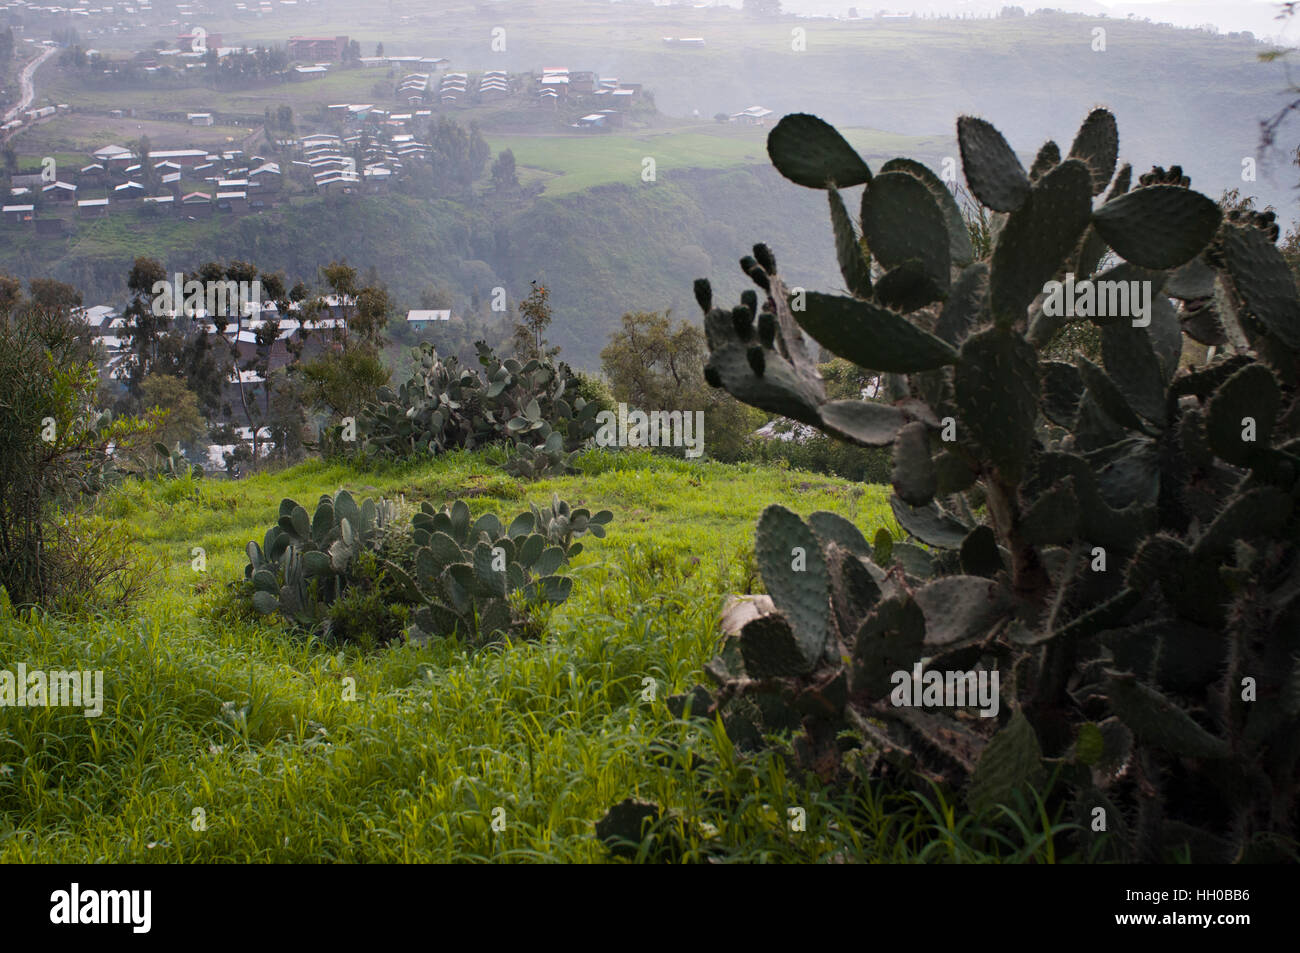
point(53, 297)
point(287, 417)
point(458, 155)
point(168, 393)
point(433, 298)
point(504, 176)
point(653, 365)
point(339, 383)
point(379, 50)
point(535, 318)
point(343, 377)
point(11, 293)
point(763, 8)
point(144, 328)
point(1269, 128)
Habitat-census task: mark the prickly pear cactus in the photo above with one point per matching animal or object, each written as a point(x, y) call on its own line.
point(477, 578)
point(304, 563)
point(481, 578)
point(1115, 541)
point(532, 407)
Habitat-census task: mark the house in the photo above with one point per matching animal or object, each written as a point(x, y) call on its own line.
point(753, 116)
point(421, 319)
point(557, 80)
point(60, 192)
point(490, 91)
point(113, 155)
point(232, 201)
point(320, 138)
point(190, 158)
point(583, 82)
point(594, 121)
point(96, 318)
point(310, 72)
point(266, 176)
point(199, 119)
point(336, 181)
point(128, 190)
point(92, 208)
point(313, 48)
point(19, 214)
point(377, 177)
point(197, 204)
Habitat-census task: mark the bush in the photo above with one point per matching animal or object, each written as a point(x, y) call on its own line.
point(820, 454)
point(55, 451)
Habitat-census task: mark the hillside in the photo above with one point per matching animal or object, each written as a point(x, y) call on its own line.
point(603, 251)
point(253, 727)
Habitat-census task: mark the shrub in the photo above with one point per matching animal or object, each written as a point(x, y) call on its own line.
point(56, 450)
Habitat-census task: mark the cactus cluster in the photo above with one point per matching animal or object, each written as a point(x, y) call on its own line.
point(305, 562)
point(480, 578)
point(1116, 540)
point(476, 578)
point(530, 407)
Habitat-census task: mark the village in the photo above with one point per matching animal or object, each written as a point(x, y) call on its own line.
point(353, 149)
point(363, 147)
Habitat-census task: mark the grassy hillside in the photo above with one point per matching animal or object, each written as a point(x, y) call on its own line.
point(250, 724)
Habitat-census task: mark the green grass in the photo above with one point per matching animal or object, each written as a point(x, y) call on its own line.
point(573, 163)
point(569, 164)
point(234, 740)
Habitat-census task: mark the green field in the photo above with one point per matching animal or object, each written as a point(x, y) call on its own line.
point(247, 724)
point(567, 164)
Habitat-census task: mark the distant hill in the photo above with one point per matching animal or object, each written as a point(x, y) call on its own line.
point(603, 252)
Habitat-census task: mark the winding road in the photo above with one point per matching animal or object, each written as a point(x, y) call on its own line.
point(28, 83)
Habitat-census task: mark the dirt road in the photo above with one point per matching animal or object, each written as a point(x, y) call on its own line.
point(28, 83)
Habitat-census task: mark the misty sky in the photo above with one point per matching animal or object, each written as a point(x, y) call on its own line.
point(1257, 16)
